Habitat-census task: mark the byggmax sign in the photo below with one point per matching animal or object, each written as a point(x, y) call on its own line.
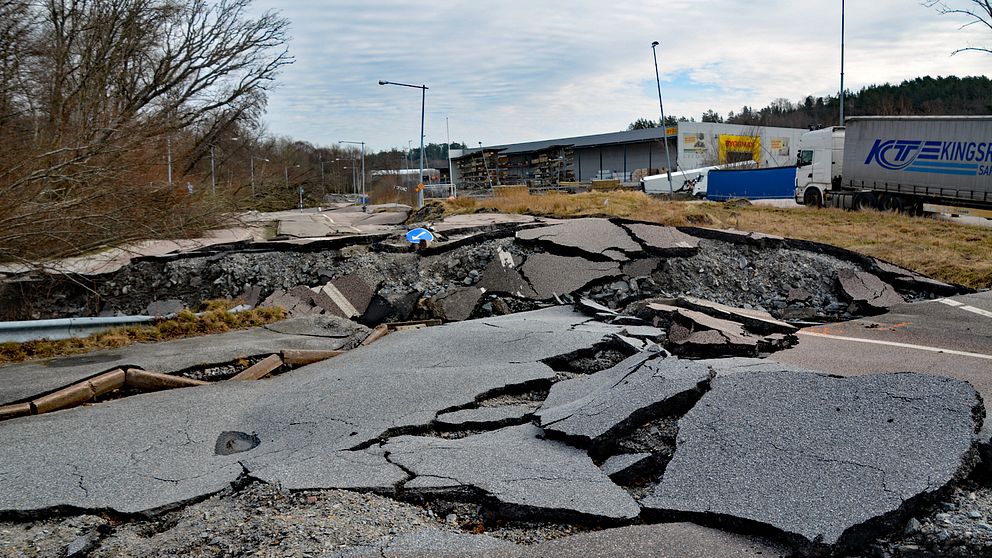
point(967, 158)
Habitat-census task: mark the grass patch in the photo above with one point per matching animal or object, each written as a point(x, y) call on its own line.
point(215, 317)
point(944, 250)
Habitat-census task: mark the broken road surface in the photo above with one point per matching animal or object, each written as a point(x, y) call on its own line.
point(817, 457)
point(756, 440)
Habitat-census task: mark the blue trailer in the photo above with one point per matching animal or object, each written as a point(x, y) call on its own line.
point(753, 184)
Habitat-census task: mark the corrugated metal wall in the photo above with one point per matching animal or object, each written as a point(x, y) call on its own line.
point(621, 158)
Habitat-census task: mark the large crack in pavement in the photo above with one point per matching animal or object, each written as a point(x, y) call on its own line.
point(521, 414)
point(724, 267)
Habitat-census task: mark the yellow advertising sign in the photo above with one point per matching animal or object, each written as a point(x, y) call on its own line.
point(736, 146)
point(671, 130)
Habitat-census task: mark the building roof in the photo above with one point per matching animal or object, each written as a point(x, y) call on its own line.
point(612, 138)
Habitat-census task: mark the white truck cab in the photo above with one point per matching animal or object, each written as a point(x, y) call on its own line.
point(819, 164)
point(691, 181)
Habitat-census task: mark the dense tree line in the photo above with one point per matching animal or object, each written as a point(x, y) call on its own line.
point(919, 96)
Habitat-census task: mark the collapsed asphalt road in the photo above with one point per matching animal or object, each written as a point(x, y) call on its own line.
point(593, 419)
point(501, 269)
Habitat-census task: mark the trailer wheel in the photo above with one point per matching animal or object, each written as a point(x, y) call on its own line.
point(864, 201)
point(892, 203)
point(812, 198)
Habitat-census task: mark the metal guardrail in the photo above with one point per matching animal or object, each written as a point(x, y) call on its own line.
point(65, 328)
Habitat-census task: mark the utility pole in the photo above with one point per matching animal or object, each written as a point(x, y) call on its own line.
point(168, 156)
point(423, 108)
point(485, 165)
point(841, 62)
point(451, 175)
point(661, 107)
point(213, 173)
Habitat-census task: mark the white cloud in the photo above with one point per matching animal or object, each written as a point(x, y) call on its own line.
point(518, 71)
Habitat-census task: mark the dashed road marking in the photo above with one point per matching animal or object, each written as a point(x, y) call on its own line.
point(955, 304)
point(900, 345)
point(978, 311)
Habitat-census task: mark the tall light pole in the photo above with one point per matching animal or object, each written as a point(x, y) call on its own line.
point(841, 62)
point(661, 107)
point(485, 165)
point(423, 106)
point(363, 193)
point(451, 179)
point(213, 173)
point(251, 160)
point(285, 171)
point(320, 161)
point(168, 156)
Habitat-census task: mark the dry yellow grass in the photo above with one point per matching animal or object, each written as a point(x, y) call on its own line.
point(215, 318)
point(940, 249)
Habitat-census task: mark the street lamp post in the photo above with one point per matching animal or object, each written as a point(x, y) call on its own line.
point(213, 169)
point(485, 165)
point(168, 158)
point(661, 107)
point(451, 179)
point(285, 171)
point(251, 160)
point(363, 193)
point(423, 105)
point(841, 123)
point(213, 173)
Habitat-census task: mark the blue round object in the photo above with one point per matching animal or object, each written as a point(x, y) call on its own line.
point(416, 235)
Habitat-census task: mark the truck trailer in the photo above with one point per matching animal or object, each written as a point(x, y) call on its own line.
point(898, 163)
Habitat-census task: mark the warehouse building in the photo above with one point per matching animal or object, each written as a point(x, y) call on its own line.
point(626, 156)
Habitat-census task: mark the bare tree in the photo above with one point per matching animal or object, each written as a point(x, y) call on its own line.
point(977, 12)
point(93, 91)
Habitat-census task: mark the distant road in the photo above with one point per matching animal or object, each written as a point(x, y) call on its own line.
point(948, 337)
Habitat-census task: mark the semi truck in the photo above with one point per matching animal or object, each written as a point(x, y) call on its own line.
point(899, 163)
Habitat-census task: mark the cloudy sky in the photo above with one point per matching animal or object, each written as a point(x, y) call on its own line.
point(515, 70)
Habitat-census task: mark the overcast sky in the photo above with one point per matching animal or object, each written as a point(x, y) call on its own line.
point(515, 70)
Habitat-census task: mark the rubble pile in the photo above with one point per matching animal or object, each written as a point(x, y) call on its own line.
point(501, 271)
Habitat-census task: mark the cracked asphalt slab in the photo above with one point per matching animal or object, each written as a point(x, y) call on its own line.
point(20, 381)
point(160, 451)
point(518, 468)
point(595, 409)
point(819, 458)
point(928, 337)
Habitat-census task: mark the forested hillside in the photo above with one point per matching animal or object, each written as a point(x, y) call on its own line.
point(919, 96)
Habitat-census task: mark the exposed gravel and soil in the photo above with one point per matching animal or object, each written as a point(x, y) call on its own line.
point(256, 519)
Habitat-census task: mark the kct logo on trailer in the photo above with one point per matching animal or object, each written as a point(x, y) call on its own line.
point(935, 157)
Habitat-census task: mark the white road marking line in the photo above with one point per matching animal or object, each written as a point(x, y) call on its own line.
point(901, 345)
point(963, 306)
point(978, 311)
point(340, 300)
